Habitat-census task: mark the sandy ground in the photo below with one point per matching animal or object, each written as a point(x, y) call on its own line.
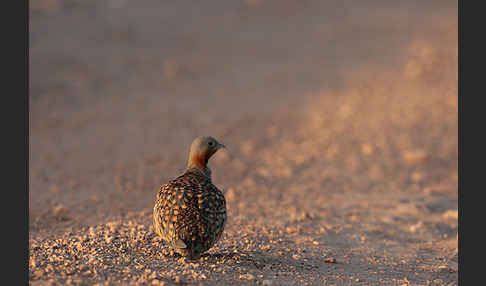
point(340, 120)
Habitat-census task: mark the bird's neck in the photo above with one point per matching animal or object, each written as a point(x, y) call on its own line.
point(199, 162)
point(206, 171)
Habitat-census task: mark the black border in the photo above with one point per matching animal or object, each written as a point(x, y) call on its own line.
point(27, 128)
point(15, 141)
point(21, 69)
point(459, 143)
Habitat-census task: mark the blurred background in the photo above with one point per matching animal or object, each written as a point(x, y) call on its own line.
point(311, 98)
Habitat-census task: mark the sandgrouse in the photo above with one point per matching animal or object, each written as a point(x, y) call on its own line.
point(189, 211)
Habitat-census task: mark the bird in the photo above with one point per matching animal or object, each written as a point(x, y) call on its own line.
point(190, 211)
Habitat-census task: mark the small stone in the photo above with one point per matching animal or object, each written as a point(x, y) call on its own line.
point(32, 262)
point(60, 212)
point(438, 190)
point(447, 268)
point(92, 231)
point(415, 227)
point(416, 177)
point(450, 214)
point(367, 149)
point(305, 215)
point(267, 282)
point(108, 239)
point(230, 195)
point(330, 260)
point(247, 276)
point(414, 156)
point(291, 230)
point(177, 280)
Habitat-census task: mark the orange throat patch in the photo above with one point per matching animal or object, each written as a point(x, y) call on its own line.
point(200, 160)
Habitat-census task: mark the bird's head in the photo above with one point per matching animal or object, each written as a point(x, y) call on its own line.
point(202, 148)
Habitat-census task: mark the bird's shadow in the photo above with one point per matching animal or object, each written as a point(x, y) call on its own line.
point(234, 256)
point(210, 257)
point(213, 256)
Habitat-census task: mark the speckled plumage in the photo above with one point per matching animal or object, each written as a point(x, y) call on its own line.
point(189, 211)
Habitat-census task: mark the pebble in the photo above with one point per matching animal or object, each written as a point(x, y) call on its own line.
point(247, 276)
point(367, 149)
point(60, 212)
point(108, 239)
point(330, 260)
point(177, 280)
point(415, 227)
point(414, 156)
point(230, 195)
point(157, 282)
point(450, 214)
point(267, 282)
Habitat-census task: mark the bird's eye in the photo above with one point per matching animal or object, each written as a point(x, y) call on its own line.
point(211, 143)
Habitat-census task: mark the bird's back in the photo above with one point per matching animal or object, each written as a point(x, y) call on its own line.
point(190, 213)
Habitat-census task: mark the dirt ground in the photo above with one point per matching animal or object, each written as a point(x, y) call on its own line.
point(340, 120)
